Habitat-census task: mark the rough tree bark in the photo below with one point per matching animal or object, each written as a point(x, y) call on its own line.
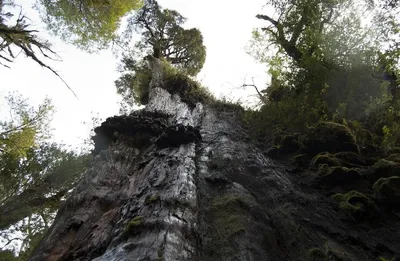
point(177, 183)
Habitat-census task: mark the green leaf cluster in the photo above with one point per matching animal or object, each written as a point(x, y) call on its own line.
point(163, 36)
point(35, 174)
point(88, 24)
point(327, 62)
point(135, 86)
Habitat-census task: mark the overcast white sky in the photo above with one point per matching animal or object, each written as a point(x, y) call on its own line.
point(225, 24)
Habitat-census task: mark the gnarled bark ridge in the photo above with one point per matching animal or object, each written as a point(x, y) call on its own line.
point(174, 183)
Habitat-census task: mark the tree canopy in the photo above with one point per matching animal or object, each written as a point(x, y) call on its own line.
point(321, 38)
point(330, 60)
point(90, 25)
point(162, 33)
point(162, 36)
point(35, 174)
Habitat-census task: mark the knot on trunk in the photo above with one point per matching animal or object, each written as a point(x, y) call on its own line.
point(137, 129)
point(178, 134)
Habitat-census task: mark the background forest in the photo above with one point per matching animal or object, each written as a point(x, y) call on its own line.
point(332, 68)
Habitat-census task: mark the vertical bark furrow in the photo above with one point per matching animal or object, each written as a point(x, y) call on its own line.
point(151, 194)
point(228, 211)
point(182, 197)
point(162, 217)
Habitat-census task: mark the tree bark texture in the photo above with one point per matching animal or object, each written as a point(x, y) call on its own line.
point(195, 189)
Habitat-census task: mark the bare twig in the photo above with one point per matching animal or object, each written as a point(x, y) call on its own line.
point(9, 242)
point(26, 41)
point(260, 95)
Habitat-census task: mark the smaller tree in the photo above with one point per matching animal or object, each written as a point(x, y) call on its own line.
point(327, 62)
point(162, 37)
point(325, 49)
point(162, 33)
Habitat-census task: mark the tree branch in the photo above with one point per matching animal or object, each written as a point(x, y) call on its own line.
point(260, 95)
point(269, 19)
point(22, 38)
point(290, 47)
point(24, 204)
point(299, 27)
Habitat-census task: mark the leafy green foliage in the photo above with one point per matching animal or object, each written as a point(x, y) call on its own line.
point(163, 36)
point(35, 175)
point(89, 25)
point(133, 84)
point(190, 91)
point(26, 126)
point(328, 63)
point(175, 82)
point(7, 255)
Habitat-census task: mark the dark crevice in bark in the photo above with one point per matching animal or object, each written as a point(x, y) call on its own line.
point(204, 193)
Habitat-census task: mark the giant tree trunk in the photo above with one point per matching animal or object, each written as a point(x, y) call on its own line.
point(178, 183)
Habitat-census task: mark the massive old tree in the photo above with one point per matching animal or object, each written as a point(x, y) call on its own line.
point(183, 179)
point(180, 180)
